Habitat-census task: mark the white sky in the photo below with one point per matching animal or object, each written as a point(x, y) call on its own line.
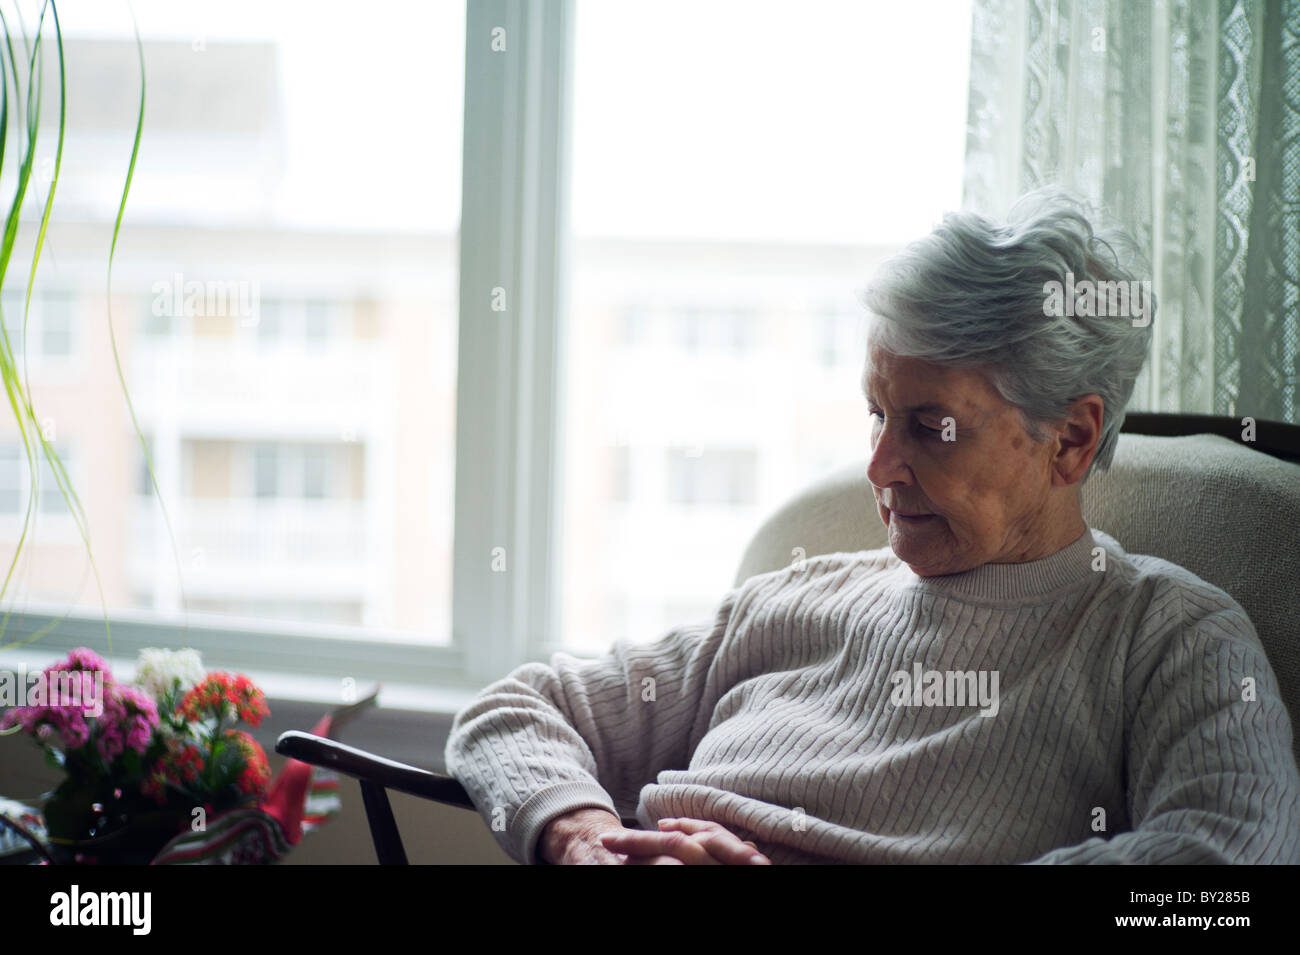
point(824, 120)
point(798, 120)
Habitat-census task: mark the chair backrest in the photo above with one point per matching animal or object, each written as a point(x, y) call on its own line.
point(1222, 510)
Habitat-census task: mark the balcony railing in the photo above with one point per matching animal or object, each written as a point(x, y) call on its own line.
point(246, 535)
point(217, 383)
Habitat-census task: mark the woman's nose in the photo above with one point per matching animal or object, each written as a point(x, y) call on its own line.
point(888, 463)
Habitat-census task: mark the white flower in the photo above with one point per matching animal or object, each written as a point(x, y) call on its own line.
point(157, 670)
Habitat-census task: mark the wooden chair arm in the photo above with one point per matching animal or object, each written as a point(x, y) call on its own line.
point(367, 767)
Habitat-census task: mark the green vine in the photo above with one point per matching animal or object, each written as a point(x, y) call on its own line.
point(17, 385)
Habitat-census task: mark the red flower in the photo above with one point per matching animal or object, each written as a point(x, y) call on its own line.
point(255, 775)
point(227, 696)
point(181, 762)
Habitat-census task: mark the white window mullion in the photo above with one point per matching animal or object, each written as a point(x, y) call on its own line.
point(517, 82)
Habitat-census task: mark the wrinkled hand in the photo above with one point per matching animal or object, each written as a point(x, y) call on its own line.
point(683, 842)
point(574, 839)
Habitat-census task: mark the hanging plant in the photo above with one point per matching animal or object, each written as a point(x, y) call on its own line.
point(26, 104)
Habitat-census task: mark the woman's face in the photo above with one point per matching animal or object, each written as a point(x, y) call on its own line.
point(986, 494)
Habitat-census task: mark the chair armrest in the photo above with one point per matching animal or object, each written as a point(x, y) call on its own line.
point(357, 763)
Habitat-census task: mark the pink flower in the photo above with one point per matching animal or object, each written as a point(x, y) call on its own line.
point(71, 725)
point(136, 699)
point(83, 705)
point(84, 658)
point(128, 721)
point(76, 733)
point(43, 722)
point(142, 718)
point(138, 736)
point(110, 744)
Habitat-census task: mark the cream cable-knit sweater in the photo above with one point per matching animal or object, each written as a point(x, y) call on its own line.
point(1124, 714)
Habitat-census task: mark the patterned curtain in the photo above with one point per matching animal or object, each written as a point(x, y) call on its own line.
point(1181, 118)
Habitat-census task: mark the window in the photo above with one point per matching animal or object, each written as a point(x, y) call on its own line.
point(318, 322)
point(269, 321)
point(718, 330)
point(12, 481)
point(299, 325)
point(633, 325)
point(352, 444)
point(300, 471)
point(155, 322)
point(16, 484)
point(763, 200)
point(56, 324)
point(840, 338)
point(266, 470)
point(690, 321)
point(292, 294)
point(315, 463)
point(51, 324)
point(51, 499)
point(717, 476)
point(12, 304)
point(144, 480)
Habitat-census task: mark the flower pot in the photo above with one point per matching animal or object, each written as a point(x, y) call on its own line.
point(122, 839)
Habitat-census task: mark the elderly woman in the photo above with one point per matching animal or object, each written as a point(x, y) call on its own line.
point(1000, 684)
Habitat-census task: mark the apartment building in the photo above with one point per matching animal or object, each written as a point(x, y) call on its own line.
point(297, 386)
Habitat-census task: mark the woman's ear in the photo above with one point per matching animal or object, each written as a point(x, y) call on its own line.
point(1077, 440)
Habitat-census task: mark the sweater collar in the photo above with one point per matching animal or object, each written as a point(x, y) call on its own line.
point(1069, 565)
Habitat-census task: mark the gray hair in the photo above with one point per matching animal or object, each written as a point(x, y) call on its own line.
point(974, 293)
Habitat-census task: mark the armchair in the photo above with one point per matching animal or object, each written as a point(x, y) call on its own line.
point(1181, 487)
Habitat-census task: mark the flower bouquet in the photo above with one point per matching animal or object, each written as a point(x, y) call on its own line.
point(158, 770)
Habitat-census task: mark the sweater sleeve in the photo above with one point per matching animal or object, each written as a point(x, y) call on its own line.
point(1209, 766)
point(578, 733)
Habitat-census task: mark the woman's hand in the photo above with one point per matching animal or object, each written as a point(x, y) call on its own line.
point(597, 837)
point(574, 839)
point(683, 842)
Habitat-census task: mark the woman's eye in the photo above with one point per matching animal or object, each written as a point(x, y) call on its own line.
point(928, 432)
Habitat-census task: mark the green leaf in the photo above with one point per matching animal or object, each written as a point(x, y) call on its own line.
point(112, 338)
point(18, 390)
point(54, 757)
point(16, 384)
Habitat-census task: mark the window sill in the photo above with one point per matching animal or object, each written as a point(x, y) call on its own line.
point(305, 672)
point(415, 737)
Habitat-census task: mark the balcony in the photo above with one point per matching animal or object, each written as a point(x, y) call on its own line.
point(301, 549)
point(237, 388)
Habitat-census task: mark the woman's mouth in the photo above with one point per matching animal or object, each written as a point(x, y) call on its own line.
point(912, 518)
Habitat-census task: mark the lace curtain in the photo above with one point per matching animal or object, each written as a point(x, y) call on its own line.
point(1180, 119)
